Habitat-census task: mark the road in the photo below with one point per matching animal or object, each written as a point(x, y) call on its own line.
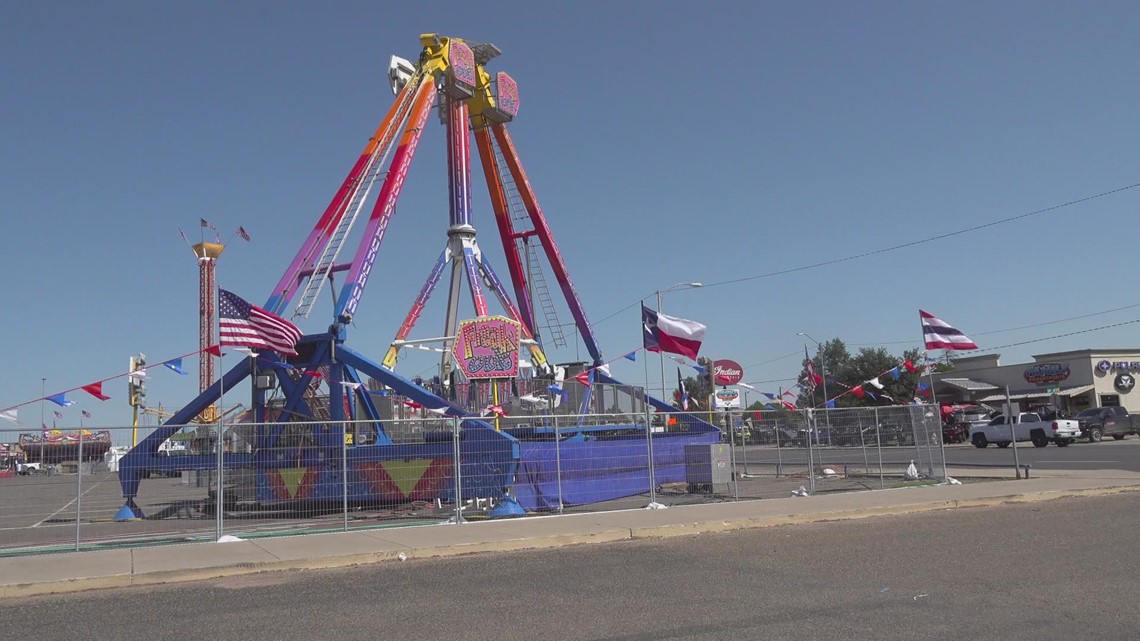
point(1013, 572)
point(1082, 455)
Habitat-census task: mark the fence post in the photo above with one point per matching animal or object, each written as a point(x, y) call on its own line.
point(344, 469)
point(649, 452)
point(879, 447)
point(78, 489)
point(779, 451)
point(812, 433)
point(558, 458)
point(458, 470)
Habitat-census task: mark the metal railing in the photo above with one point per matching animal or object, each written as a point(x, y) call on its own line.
point(296, 478)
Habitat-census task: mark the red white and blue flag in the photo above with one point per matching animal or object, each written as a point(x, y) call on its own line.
point(243, 324)
point(813, 379)
point(682, 393)
point(661, 333)
point(938, 334)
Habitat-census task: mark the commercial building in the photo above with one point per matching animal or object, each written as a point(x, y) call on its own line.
point(1070, 381)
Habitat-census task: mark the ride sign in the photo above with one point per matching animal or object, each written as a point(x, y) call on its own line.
point(488, 347)
point(726, 372)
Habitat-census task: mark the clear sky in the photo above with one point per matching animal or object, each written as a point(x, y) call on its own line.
point(667, 142)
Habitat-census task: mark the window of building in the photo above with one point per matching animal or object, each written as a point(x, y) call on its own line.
point(1109, 400)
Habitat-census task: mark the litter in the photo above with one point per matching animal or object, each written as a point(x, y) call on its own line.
point(911, 473)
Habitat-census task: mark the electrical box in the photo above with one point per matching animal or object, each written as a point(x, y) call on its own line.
point(707, 466)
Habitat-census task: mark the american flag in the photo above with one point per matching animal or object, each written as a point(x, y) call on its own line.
point(58, 414)
point(86, 414)
point(243, 233)
point(250, 326)
point(812, 378)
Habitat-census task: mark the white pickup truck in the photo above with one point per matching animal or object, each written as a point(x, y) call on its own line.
point(25, 468)
point(1027, 426)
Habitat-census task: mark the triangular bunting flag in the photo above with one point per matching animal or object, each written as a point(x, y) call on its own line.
point(215, 350)
point(96, 390)
point(175, 364)
point(895, 372)
point(857, 391)
point(61, 400)
point(830, 403)
point(910, 366)
point(583, 378)
point(11, 415)
point(875, 383)
point(631, 356)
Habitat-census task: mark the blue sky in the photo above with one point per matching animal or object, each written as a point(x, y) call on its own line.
point(666, 143)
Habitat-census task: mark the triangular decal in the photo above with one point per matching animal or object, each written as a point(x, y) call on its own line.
point(291, 477)
point(406, 474)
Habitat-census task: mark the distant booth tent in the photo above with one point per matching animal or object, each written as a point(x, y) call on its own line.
point(1069, 381)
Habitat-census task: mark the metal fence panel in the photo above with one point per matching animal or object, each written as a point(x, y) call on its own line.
point(418, 468)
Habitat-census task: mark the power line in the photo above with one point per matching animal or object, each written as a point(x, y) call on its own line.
point(884, 250)
point(914, 243)
point(1049, 338)
point(1013, 329)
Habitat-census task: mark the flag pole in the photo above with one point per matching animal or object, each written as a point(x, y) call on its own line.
point(934, 399)
point(648, 429)
point(218, 500)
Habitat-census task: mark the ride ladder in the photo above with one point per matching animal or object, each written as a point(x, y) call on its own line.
point(375, 171)
point(536, 280)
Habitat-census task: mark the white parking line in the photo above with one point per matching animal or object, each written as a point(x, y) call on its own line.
point(72, 502)
point(1045, 460)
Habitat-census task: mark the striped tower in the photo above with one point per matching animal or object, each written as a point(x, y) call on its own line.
point(207, 254)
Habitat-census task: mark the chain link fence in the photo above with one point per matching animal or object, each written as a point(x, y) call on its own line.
point(79, 491)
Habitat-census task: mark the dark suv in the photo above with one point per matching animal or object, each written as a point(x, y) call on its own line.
point(1098, 422)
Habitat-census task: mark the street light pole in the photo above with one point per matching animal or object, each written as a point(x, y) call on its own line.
point(43, 393)
point(660, 356)
point(648, 419)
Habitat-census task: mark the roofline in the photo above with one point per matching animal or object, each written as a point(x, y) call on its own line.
point(1088, 352)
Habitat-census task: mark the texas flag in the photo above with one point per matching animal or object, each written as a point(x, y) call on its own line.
point(662, 333)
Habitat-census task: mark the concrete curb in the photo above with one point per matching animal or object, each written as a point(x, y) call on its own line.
point(389, 547)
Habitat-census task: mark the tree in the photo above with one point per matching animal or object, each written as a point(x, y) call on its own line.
point(845, 372)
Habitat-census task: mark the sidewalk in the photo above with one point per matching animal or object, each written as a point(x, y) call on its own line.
point(71, 572)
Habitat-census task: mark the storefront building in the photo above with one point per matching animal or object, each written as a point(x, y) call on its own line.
point(1070, 381)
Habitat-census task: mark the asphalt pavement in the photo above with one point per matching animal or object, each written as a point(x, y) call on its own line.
point(143, 566)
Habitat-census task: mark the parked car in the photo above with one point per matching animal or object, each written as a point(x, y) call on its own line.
point(25, 468)
point(1026, 426)
point(957, 427)
point(1098, 422)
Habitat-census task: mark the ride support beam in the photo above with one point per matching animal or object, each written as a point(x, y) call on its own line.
point(506, 226)
point(330, 219)
point(365, 258)
point(538, 220)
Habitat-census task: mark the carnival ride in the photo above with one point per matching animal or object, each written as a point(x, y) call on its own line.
point(295, 435)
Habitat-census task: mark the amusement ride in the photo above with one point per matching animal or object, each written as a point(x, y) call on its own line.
point(323, 425)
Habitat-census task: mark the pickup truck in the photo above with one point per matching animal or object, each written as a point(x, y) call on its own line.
point(25, 468)
point(1098, 422)
point(1027, 426)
